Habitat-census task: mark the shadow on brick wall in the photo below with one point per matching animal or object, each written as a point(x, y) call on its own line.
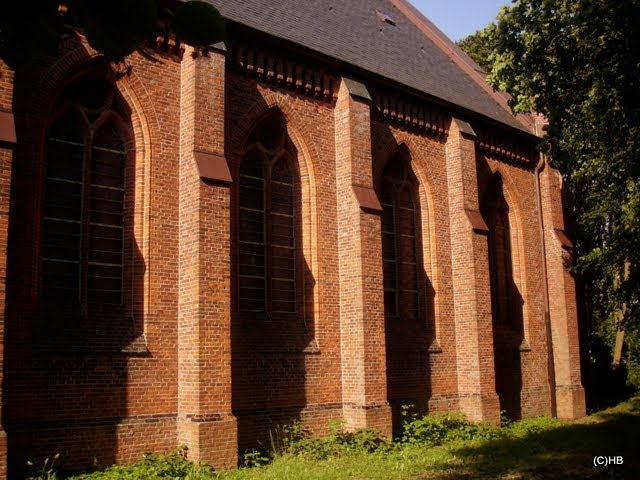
point(66, 364)
point(273, 333)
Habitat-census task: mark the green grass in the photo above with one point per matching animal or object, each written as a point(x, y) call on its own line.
point(538, 448)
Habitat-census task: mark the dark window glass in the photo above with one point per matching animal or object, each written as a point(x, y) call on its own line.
point(267, 244)
point(281, 239)
point(399, 242)
point(82, 229)
point(252, 235)
point(389, 258)
point(62, 223)
point(106, 199)
point(501, 265)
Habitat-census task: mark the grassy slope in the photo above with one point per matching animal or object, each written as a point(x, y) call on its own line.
point(533, 449)
point(530, 450)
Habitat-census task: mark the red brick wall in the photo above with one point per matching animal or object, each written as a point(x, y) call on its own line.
point(6, 160)
point(562, 301)
point(421, 361)
point(529, 352)
point(205, 423)
point(289, 372)
point(59, 399)
point(191, 368)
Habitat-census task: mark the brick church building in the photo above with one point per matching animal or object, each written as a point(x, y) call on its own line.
point(329, 216)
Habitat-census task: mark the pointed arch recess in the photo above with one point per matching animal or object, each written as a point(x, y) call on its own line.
point(143, 131)
point(275, 103)
point(516, 239)
point(429, 244)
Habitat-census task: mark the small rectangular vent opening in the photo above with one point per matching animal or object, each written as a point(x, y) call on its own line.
point(385, 17)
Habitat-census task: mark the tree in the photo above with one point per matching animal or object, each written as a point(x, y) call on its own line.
point(480, 46)
point(115, 28)
point(578, 63)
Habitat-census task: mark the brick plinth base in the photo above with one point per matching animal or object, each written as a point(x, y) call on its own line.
point(214, 442)
point(87, 444)
point(481, 408)
point(570, 402)
point(374, 416)
point(534, 402)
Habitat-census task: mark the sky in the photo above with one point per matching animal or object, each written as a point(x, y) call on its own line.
point(459, 18)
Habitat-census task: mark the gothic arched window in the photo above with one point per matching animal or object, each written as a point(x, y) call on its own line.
point(84, 190)
point(400, 242)
point(500, 261)
point(267, 240)
point(506, 301)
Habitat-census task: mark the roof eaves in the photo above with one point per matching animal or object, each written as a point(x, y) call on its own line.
point(466, 64)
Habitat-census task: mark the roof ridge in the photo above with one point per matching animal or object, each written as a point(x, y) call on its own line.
point(455, 53)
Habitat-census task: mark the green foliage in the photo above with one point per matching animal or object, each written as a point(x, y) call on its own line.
point(480, 46)
point(339, 442)
point(255, 459)
point(436, 430)
point(531, 426)
point(633, 375)
point(198, 23)
point(116, 28)
point(284, 437)
point(172, 466)
point(578, 63)
point(47, 471)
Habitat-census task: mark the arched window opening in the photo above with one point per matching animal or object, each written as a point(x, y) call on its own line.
point(501, 266)
point(267, 211)
point(506, 301)
point(400, 249)
point(83, 203)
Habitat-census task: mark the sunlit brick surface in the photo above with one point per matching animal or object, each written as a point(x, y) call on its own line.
point(184, 361)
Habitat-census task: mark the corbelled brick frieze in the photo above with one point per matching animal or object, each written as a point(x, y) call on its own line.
point(411, 114)
point(508, 147)
point(284, 71)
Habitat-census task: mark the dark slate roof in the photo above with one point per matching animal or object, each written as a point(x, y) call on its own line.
point(352, 32)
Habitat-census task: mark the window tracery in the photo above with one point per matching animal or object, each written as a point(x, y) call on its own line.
point(267, 212)
point(83, 199)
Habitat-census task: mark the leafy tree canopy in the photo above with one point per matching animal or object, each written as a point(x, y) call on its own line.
point(578, 63)
point(480, 46)
point(116, 28)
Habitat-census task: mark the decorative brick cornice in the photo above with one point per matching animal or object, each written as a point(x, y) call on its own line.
point(284, 71)
point(412, 115)
point(512, 148)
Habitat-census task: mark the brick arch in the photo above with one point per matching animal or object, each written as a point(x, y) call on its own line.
point(79, 60)
point(146, 128)
point(308, 156)
point(296, 128)
point(427, 216)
